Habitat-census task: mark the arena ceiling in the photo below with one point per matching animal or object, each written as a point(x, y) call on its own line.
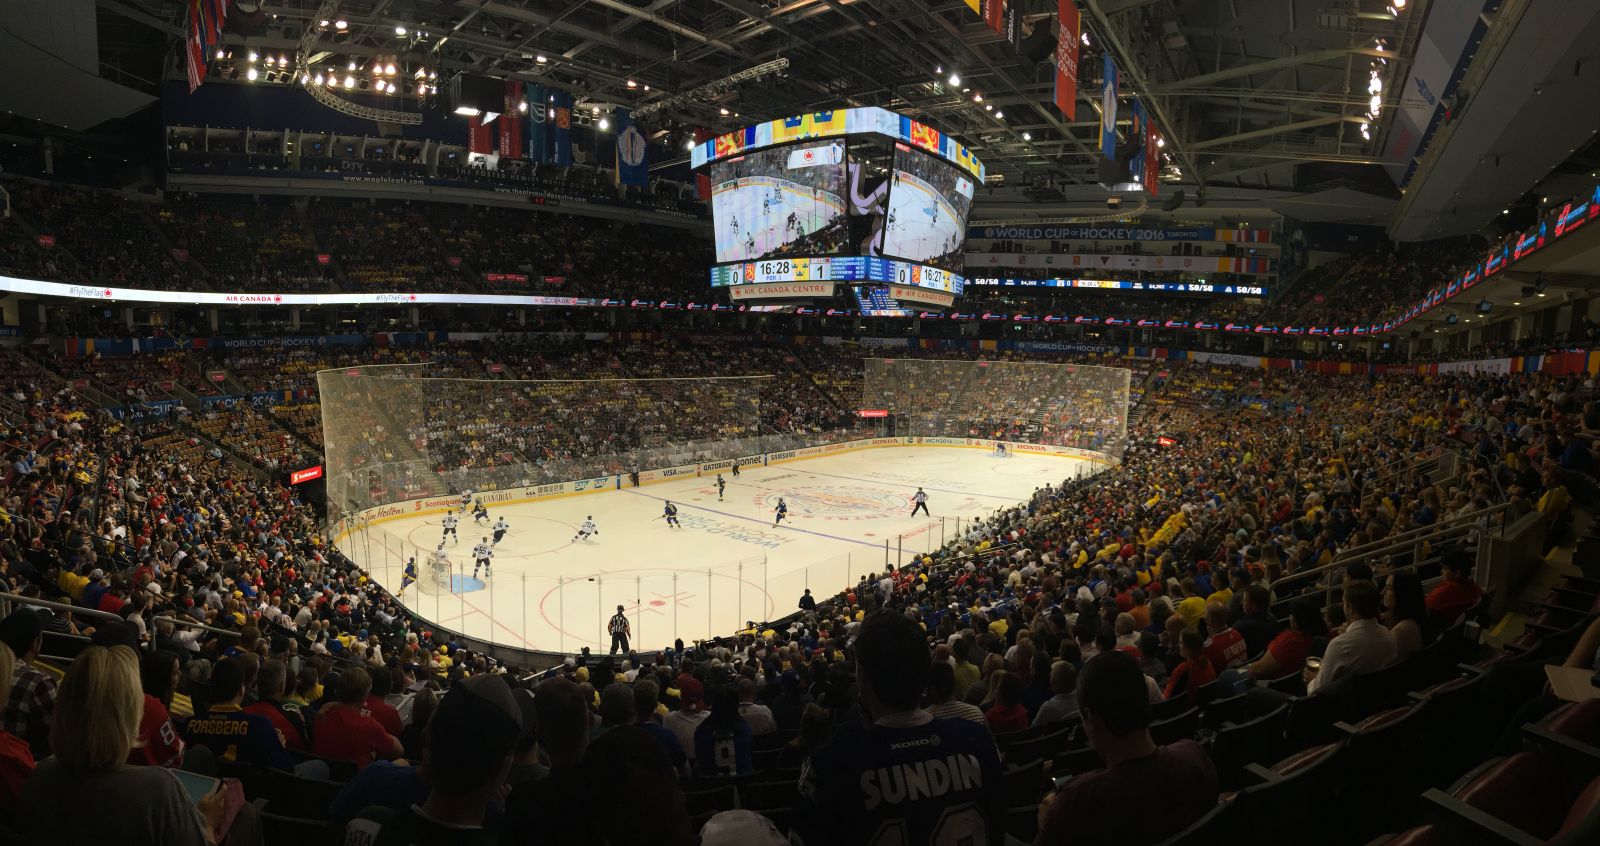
point(1246, 91)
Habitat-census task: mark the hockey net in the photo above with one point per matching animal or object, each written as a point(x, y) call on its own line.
point(1069, 405)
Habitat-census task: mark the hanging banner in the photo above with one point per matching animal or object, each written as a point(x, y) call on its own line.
point(1152, 159)
point(478, 136)
point(1138, 120)
point(633, 152)
point(561, 129)
point(1108, 109)
point(510, 127)
point(702, 178)
point(1067, 59)
point(538, 151)
point(994, 14)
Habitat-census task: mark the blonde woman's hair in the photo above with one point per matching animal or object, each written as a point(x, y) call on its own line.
point(98, 708)
point(8, 666)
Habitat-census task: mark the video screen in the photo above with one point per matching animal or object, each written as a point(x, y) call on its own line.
point(870, 162)
point(783, 201)
point(928, 204)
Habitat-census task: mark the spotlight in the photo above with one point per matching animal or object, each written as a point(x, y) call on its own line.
point(253, 56)
point(433, 74)
point(540, 58)
point(351, 66)
point(419, 74)
point(400, 30)
point(319, 78)
point(632, 84)
point(220, 54)
point(1376, 103)
point(1161, 141)
point(349, 82)
point(389, 69)
point(340, 25)
point(989, 108)
point(467, 111)
point(999, 115)
point(1085, 37)
point(251, 75)
point(978, 97)
point(724, 112)
point(604, 124)
point(955, 78)
point(305, 78)
point(1027, 137)
point(689, 145)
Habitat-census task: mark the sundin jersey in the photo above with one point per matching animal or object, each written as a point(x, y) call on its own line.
point(911, 779)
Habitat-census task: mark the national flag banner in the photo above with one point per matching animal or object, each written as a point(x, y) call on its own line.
point(478, 136)
point(1108, 109)
point(561, 129)
point(702, 179)
point(194, 46)
point(1137, 121)
point(219, 15)
point(538, 150)
point(994, 14)
point(1066, 89)
point(633, 151)
point(510, 134)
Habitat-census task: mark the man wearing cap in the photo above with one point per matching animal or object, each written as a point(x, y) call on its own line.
point(690, 714)
point(467, 753)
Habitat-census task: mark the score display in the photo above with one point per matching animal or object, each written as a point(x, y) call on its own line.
point(837, 269)
point(1124, 285)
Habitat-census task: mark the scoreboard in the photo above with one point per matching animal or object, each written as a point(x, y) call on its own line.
point(837, 269)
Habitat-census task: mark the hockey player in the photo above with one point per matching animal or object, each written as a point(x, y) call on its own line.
point(480, 557)
point(585, 530)
point(670, 512)
point(921, 500)
point(781, 512)
point(480, 512)
point(500, 527)
point(450, 521)
point(408, 575)
point(466, 500)
point(439, 560)
point(720, 485)
point(735, 469)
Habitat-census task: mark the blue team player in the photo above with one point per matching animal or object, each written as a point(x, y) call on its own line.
point(781, 511)
point(671, 513)
point(408, 576)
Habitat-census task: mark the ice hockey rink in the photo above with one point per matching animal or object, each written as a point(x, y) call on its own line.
point(849, 515)
point(924, 225)
point(761, 206)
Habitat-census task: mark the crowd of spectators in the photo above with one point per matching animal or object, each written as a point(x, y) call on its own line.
point(243, 243)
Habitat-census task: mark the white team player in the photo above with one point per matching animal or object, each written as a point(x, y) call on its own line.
point(480, 557)
point(450, 521)
point(584, 531)
point(440, 562)
point(500, 527)
point(466, 499)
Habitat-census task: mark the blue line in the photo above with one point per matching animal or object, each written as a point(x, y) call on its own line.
point(940, 490)
point(753, 520)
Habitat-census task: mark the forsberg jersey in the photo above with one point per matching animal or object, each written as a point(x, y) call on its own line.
point(936, 783)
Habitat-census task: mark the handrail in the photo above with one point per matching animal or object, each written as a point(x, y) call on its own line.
point(1411, 536)
point(8, 600)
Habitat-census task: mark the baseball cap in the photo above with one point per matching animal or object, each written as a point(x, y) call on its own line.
point(740, 828)
point(474, 729)
point(693, 694)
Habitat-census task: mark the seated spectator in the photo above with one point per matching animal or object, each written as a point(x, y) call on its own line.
point(1457, 594)
point(1364, 646)
point(690, 714)
point(1406, 614)
point(1256, 626)
point(233, 734)
point(1287, 652)
point(941, 689)
point(16, 759)
point(1007, 713)
point(466, 756)
point(816, 729)
point(33, 691)
point(723, 741)
point(854, 786)
point(1112, 805)
point(646, 699)
point(377, 704)
point(96, 724)
point(757, 715)
point(159, 744)
point(1224, 646)
point(345, 732)
point(1196, 669)
point(270, 680)
point(1064, 703)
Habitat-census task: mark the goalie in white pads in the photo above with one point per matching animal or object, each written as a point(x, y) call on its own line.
point(585, 530)
point(480, 557)
point(439, 562)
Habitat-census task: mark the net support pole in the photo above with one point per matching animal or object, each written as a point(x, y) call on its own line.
point(740, 601)
point(600, 607)
point(561, 614)
point(708, 602)
point(638, 610)
point(522, 579)
point(674, 604)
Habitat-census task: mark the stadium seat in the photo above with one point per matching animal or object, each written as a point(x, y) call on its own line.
point(1041, 748)
point(1232, 709)
point(1219, 825)
point(280, 829)
point(1288, 793)
point(1022, 822)
point(722, 798)
point(1519, 794)
point(763, 760)
point(1388, 742)
point(1078, 761)
point(307, 798)
point(1179, 727)
point(1237, 745)
point(1023, 782)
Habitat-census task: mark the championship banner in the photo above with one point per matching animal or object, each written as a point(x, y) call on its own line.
point(1066, 91)
point(538, 150)
point(1138, 123)
point(632, 163)
point(478, 136)
point(1108, 109)
point(1152, 159)
point(994, 14)
point(561, 129)
point(510, 146)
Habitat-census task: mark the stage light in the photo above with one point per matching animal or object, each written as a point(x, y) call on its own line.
point(351, 66)
point(389, 69)
point(1027, 137)
point(400, 30)
point(540, 58)
point(219, 55)
point(999, 115)
point(1374, 85)
point(688, 145)
point(349, 82)
point(324, 23)
point(978, 97)
point(433, 74)
point(1377, 103)
point(467, 111)
point(595, 110)
point(319, 78)
point(724, 112)
point(647, 88)
point(523, 107)
point(955, 79)
point(251, 75)
point(604, 124)
point(632, 84)
point(989, 108)
point(419, 74)
point(340, 25)
point(253, 56)
point(305, 78)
